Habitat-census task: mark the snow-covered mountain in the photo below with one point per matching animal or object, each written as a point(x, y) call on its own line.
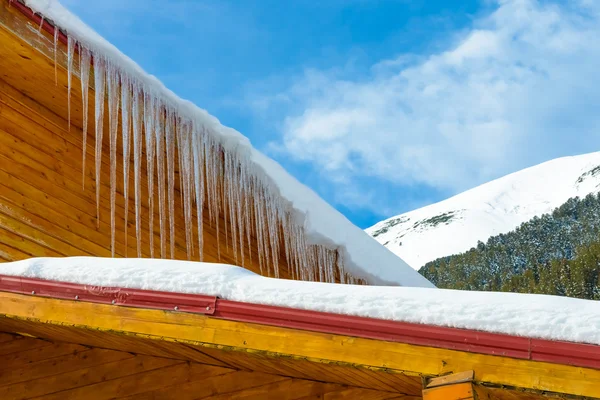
point(456, 224)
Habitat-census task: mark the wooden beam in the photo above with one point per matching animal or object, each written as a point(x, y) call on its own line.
point(274, 342)
point(459, 391)
point(452, 379)
point(458, 386)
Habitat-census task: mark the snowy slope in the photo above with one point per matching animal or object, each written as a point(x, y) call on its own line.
point(456, 224)
point(556, 318)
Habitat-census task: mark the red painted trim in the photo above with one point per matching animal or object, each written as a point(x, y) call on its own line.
point(199, 304)
point(418, 334)
point(582, 355)
point(585, 355)
point(47, 26)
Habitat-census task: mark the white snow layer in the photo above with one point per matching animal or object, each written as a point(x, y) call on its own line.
point(495, 207)
point(536, 316)
point(289, 201)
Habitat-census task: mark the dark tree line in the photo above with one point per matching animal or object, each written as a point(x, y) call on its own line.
point(557, 253)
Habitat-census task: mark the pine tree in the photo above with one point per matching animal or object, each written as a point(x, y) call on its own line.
point(556, 253)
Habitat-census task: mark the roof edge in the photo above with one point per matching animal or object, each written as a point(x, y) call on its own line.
point(503, 345)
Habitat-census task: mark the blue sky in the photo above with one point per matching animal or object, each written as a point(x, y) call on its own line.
point(381, 106)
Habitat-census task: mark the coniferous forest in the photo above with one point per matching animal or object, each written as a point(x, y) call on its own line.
point(557, 253)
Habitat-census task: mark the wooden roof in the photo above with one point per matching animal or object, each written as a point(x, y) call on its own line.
point(44, 210)
point(357, 353)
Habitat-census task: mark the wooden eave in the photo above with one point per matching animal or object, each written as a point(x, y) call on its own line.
point(356, 351)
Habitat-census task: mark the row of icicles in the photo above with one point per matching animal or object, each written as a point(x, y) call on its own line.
point(224, 181)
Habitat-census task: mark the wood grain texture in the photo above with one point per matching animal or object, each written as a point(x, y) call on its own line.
point(350, 361)
point(44, 211)
point(459, 391)
point(75, 372)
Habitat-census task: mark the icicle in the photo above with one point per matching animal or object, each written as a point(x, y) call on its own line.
point(149, 123)
point(340, 265)
point(259, 224)
point(56, 31)
point(125, 132)
point(242, 209)
point(182, 136)
point(237, 193)
point(222, 194)
point(247, 211)
point(320, 264)
point(180, 178)
point(212, 161)
point(170, 144)
point(228, 189)
point(114, 96)
point(159, 134)
point(99, 86)
point(273, 229)
point(84, 68)
point(184, 143)
point(70, 54)
point(198, 152)
point(286, 245)
point(136, 109)
point(211, 175)
point(41, 25)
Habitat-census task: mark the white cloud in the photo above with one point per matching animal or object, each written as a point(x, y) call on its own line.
point(520, 87)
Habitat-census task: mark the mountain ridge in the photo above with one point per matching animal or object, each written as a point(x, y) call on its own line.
point(456, 224)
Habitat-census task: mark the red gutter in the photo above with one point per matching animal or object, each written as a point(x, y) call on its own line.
point(577, 354)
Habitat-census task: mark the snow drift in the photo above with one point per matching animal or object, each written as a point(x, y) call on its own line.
point(536, 316)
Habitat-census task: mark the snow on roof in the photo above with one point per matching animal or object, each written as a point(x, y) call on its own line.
point(528, 315)
point(361, 255)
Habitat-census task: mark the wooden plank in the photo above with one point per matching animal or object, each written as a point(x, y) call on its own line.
point(9, 253)
point(49, 154)
point(491, 393)
point(38, 187)
point(25, 231)
point(170, 372)
point(210, 386)
point(82, 383)
point(365, 394)
point(198, 330)
point(22, 245)
point(459, 377)
point(460, 391)
point(8, 337)
point(288, 389)
point(20, 345)
point(27, 357)
point(190, 353)
point(72, 217)
point(325, 372)
point(59, 365)
point(54, 223)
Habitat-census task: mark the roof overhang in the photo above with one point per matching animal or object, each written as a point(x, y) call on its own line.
point(244, 330)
